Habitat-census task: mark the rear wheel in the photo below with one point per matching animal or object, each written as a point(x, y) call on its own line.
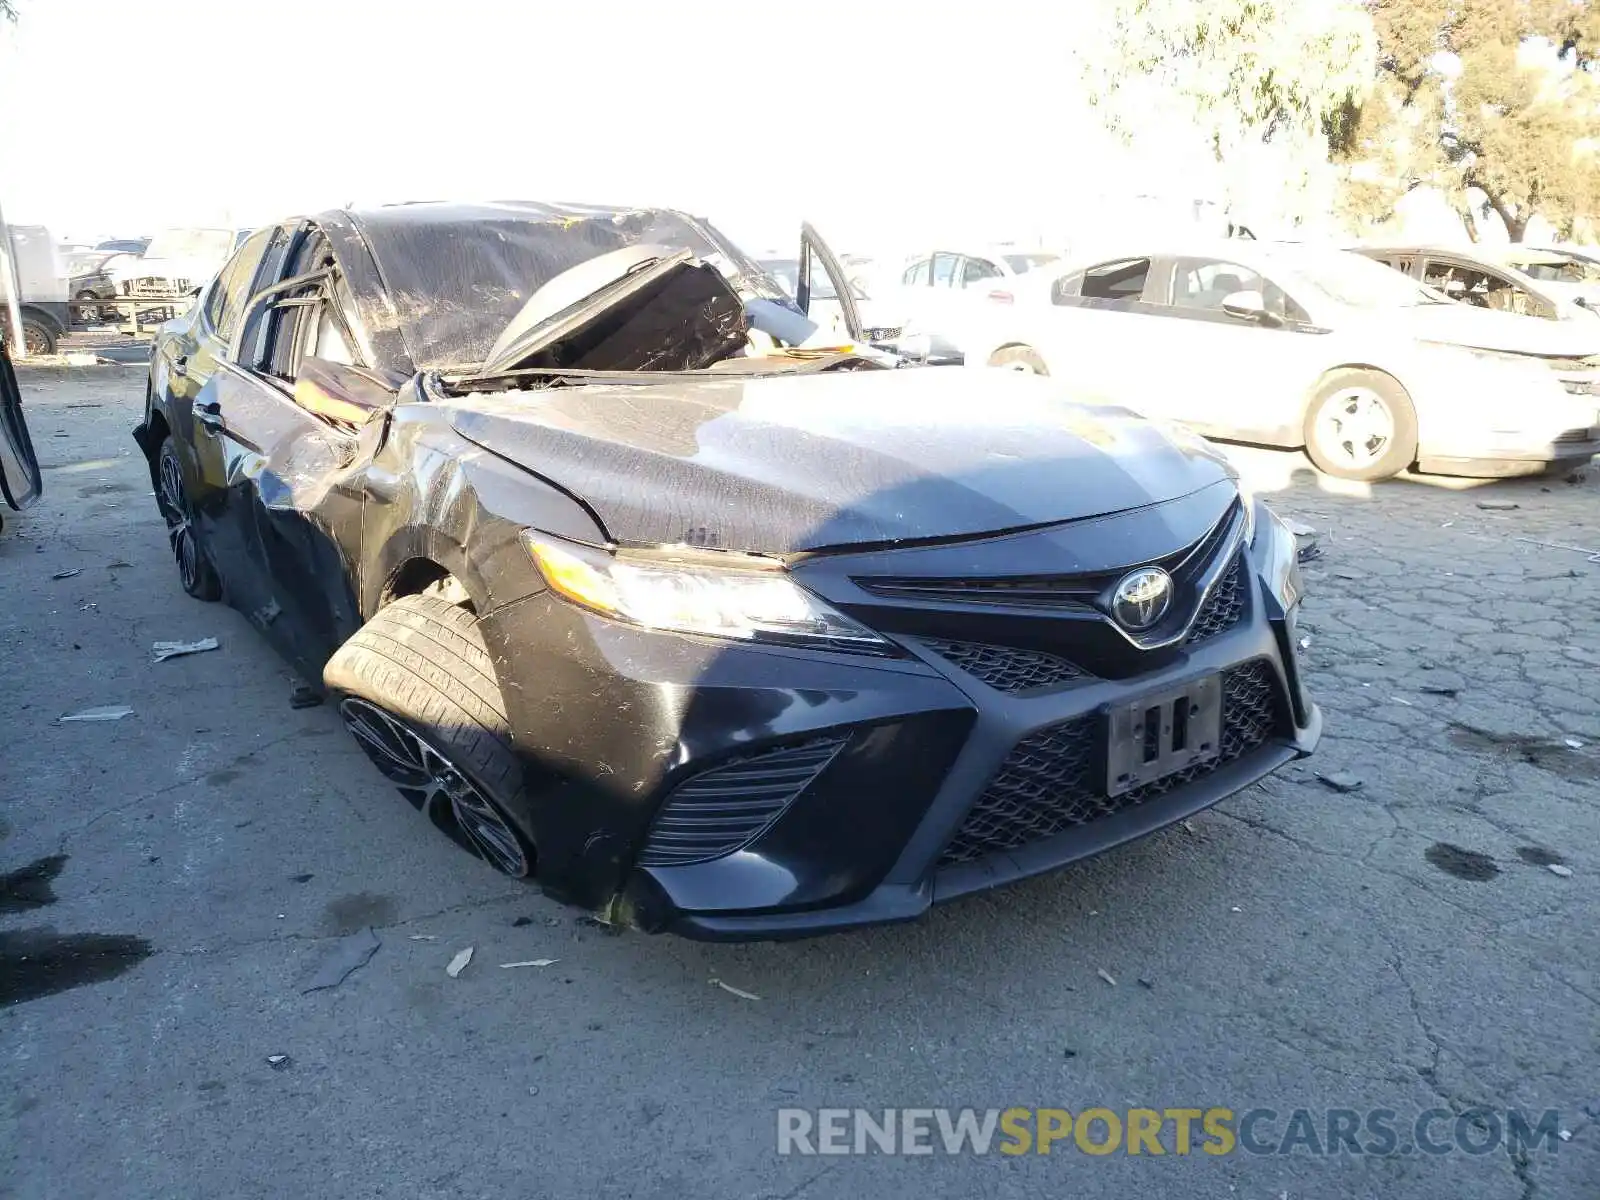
point(1361, 426)
point(1022, 359)
point(416, 689)
point(195, 572)
point(39, 337)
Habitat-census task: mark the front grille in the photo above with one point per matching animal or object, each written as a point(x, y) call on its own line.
point(1223, 607)
point(1051, 780)
point(1006, 668)
point(718, 811)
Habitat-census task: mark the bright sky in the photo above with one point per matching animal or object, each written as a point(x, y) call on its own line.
point(882, 123)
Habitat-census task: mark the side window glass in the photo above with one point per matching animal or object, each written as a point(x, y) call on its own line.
point(917, 274)
point(944, 270)
point(1123, 280)
point(974, 269)
point(1204, 285)
point(232, 286)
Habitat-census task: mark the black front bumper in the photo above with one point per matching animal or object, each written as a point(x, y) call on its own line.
point(641, 746)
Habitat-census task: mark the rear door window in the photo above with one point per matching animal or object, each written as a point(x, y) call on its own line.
point(233, 286)
point(975, 270)
point(1121, 280)
point(944, 269)
point(918, 273)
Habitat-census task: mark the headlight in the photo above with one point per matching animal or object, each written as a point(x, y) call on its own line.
point(749, 599)
point(1281, 563)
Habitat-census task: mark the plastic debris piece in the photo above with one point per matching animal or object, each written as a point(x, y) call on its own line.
point(1146, 984)
point(1236, 909)
point(1402, 700)
point(1498, 505)
point(424, 937)
point(1439, 689)
point(108, 712)
point(67, 574)
point(1341, 781)
point(1564, 1134)
point(1558, 869)
point(1188, 826)
point(1106, 975)
point(1309, 553)
point(532, 962)
point(304, 696)
point(349, 955)
point(459, 963)
point(1299, 528)
point(729, 988)
point(118, 565)
point(279, 1062)
point(166, 650)
point(1572, 743)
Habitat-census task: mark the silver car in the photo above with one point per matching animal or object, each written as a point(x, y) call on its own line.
point(1297, 345)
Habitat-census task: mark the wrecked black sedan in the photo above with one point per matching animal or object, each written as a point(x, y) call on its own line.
point(634, 584)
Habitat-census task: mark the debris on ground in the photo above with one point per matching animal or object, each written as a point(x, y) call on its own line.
point(67, 574)
point(1299, 528)
point(304, 696)
point(1564, 1134)
point(728, 987)
point(1558, 869)
point(532, 962)
point(1341, 781)
point(459, 963)
point(1439, 689)
point(349, 955)
point(1236, 909)
point(1146, 984)
point(1498, 505)
point(119, 565)
point(1305, 643)
point(1401, 699)
point(279, 1062)
point(166, 650)
point(424, 937)
point(1592, 555)
point(1188, 826)
point(1309, 553)
point(108, 712)
point(80, 358)
point(1572, 743)
point(521, 921)
point(1106, 975)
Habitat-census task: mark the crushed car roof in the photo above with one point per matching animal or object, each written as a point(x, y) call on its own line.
point(451, 276)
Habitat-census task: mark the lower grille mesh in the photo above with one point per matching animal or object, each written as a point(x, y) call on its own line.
point(718, 811)
point(1006, 668)
point(1050, 780)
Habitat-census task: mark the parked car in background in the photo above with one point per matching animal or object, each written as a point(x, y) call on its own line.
point(1485, 277)
point(1295, 345)
point(703, 630)
point(940, 291)
point(1562, 272)
point(176, 262)
point(43, 284)
point(125, 245)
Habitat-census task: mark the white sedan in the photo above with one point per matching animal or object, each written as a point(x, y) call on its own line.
point(1296, 345)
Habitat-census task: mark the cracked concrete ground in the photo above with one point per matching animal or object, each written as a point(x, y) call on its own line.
point(1305, 948)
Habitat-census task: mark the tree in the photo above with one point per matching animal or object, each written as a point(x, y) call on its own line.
point(1498, 95)
point(1244, 73)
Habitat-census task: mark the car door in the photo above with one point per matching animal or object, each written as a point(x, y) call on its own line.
point(287, 531)
point(20, 479)
point(1096, 332)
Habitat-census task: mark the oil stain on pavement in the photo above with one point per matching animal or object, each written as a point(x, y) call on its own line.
point(1463, 864)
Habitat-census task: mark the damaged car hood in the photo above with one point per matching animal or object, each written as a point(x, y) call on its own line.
point(782, 464)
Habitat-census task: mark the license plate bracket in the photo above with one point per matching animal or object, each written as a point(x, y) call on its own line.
point(1163, 732)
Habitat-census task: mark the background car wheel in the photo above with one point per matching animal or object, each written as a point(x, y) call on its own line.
point(198, 576)
point(416, 689)
point(1361, 426)
point(38, 336)
point(1019, 358)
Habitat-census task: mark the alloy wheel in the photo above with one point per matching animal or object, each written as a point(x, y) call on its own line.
point(1355, 428)
point(435, 786)
point(180, 526)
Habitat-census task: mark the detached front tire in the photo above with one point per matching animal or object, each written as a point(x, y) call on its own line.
point(416, 688)
point(1361, 426)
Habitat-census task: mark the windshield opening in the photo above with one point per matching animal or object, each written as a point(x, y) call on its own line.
point(1353, 279)
point(191, 243)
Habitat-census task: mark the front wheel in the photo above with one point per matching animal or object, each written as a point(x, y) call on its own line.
point(1023, 359)
point(195, 572)
point(1361, 426)
point(416, 689)
point(38, 337)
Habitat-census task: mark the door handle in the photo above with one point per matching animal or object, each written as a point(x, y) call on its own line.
point(209, 415)
point(180, 365)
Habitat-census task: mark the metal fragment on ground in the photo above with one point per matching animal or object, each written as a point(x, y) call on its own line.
point(1558, 869)
point(279, 1062)
point(459, 963)
point(1106, 975)
point(304, 696)
point(166, 650)
point(1341, 781)
point(108, 712)
point(348, 956)
point(729, 988)
point(532, 962)
point(1498, 505)
point(67, 574)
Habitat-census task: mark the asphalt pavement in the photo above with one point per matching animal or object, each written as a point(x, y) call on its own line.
point(176, 880)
